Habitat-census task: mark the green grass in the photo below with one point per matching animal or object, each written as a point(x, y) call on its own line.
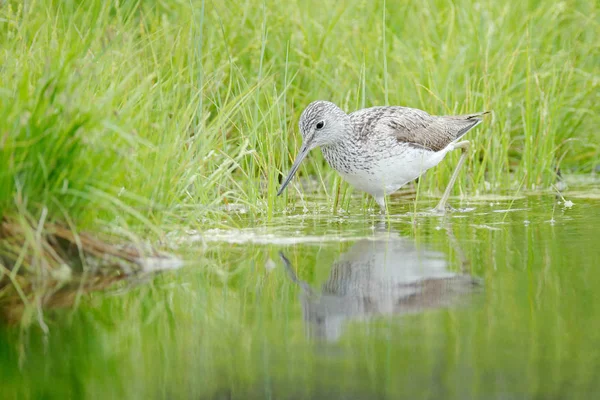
point(144, 115)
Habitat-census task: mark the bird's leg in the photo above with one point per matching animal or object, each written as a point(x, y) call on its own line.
point(464, 146)
point(381, 201)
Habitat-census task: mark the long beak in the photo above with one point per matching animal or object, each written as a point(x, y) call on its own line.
point(301, 156)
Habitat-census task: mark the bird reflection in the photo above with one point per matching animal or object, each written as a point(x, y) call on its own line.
point(380, 276)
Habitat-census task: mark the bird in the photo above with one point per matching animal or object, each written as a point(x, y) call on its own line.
point(380, 149)
point(383, 275)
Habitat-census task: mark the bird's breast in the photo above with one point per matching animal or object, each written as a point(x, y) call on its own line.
point(345, 160)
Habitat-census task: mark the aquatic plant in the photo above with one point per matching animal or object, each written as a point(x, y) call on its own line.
point(133, 117)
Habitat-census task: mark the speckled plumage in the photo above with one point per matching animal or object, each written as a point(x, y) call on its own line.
point(379, 149)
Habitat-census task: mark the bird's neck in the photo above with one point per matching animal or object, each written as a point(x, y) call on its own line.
point(343, 154)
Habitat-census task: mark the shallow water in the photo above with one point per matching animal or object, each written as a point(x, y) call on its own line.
point(498, 300)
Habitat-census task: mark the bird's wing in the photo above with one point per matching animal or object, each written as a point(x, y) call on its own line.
point(415, 127)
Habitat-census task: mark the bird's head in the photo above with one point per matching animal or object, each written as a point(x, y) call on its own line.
point(322, 123)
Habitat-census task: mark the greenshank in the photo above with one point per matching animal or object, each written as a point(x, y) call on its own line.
point(380, 149)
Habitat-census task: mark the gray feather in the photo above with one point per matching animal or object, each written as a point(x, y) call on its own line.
point(414, 127)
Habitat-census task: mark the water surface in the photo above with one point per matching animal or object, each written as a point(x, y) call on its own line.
point(498, 300)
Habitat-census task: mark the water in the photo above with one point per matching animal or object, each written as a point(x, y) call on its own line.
point(498, 301)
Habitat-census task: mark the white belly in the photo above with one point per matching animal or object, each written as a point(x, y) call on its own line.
point(387, 175)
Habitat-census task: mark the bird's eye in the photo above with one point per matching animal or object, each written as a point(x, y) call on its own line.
point(320, 125)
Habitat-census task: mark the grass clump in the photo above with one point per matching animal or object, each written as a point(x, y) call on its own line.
point(132, 117)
